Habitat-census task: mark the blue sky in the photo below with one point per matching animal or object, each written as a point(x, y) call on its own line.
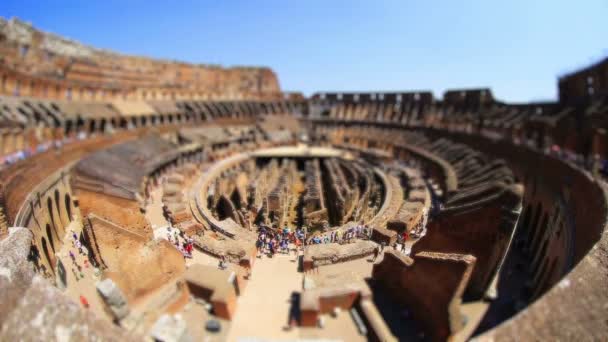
point(516, 47)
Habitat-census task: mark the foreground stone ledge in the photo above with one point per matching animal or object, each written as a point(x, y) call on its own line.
point(16, 272)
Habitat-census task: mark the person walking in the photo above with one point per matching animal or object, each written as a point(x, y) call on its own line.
point(222, 263)
point(376, 253)
point(259, 244)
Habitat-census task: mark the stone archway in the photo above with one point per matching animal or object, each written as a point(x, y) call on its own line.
point(68, 207)
point(45, 250)
point(49, 236)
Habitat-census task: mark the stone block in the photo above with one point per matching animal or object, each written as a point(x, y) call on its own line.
point(114, 298)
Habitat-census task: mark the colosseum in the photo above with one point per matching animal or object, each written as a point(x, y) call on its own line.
point(147, 199)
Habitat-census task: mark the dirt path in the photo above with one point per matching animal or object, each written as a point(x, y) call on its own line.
point(80, 277)
point(263, 309)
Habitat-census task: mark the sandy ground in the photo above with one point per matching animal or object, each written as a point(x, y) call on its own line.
point(154, 213)
point(196, 316)
point(80, 282)
point(263, 309)
point(338, 328)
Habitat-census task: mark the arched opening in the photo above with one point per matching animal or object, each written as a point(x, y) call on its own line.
point(68, 128)
point(540, 232)
point(79, 124)
point(58, 205)
point(531, 229)
point(49, 235)
point(522, 230)
point(224, 209)
point(45, 250)
point(91, 126)
point(102, 125)
point(236, 199)
point(49, 204)
point(68, 207)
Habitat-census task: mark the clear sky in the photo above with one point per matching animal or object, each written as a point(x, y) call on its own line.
point(516, 47)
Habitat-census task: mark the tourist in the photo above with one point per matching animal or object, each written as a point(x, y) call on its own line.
point(188, 248)
point(270, 248)
point(297, 244)
point(259, 245)
point(222, 263)
point(84, 302)
point(376, 253)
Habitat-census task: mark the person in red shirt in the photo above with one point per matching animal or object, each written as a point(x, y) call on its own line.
point(84, 302)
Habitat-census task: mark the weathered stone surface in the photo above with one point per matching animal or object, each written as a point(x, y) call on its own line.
point(114, 298)
point(43, 313)
point(52, 59)
point(233, 250)
point(16, 272)
point(170, 328)
point(331, 253)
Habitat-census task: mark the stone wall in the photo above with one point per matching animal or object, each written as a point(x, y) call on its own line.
point(39, 64)
point(33, 309)
point(430, 285)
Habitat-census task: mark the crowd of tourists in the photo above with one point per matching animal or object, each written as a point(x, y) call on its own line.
point(185, 247)
point(82, 250)
point(272, 241)
point(341, 235)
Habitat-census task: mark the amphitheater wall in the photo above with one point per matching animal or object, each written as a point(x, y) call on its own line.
point(565, 209)
point(563, 229)
point(582, 202)
point(481, 232)
point(430, 285)
point(546, 179)
point(47, 212)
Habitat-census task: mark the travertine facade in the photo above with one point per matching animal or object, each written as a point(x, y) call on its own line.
point(44, 65)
